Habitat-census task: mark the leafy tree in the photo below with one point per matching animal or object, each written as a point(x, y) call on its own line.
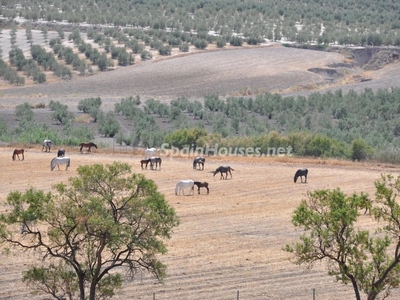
point(85, 105)
point(332, 232)
point(102, 220)
point(60, 112)
point(3, 127)
point(25, 114)
point(108, 125)
point(145, 55)
point(187, 137)
point(359, 150)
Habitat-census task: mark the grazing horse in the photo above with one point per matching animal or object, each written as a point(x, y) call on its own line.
point(182, 184)
point(46, 145)
point(202, 184)
point(222, 170)
point(155, 160)
point(144, 162)
point(17, 152)
point(300, 173)
point(87, 145)
point(57, 161)
point(198, 160)
point(61, 153)
point(150, 152)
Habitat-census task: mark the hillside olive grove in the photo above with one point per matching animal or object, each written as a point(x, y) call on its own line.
point(358, 22)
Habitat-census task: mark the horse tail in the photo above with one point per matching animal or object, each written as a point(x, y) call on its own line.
point(231, 169)
point(13, 156)
point(295, 178)
point(94, 145)
point(176, 189)
point(68, 164)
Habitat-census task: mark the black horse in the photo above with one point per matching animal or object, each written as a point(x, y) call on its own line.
point(222, 170)
point(61, 153)
point(199, 160)
point(155, 161)
point(202, 184)
point(300, 173)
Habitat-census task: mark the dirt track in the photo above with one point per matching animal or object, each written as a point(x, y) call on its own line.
point(228, 241)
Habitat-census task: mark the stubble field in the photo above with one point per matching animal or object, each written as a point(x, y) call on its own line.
point(229, 242)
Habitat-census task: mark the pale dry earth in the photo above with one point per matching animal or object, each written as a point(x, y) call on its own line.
point(228, 242)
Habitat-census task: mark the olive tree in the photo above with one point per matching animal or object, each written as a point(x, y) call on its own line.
point(104, 220)
point(366, 259)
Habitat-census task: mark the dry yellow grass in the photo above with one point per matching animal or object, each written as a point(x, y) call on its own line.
point(228, 241)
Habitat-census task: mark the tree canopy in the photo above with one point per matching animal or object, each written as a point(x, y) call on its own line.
point(104, 220)
point(332, 225)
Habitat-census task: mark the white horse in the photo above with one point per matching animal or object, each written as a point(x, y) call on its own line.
point(150, 152)
point(57, 161)
point(182, 184)
point(46, 145)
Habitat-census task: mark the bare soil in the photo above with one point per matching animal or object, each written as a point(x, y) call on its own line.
point(228, 242)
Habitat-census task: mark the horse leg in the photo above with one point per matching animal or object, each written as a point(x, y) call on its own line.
point(198, 190)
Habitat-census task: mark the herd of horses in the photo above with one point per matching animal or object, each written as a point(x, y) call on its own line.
point(155, 164)
point(61, 159)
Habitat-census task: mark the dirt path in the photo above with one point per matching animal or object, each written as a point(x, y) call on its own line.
point(228, 241)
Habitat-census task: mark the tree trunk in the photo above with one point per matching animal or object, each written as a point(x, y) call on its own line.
point(81, 284)
point(355, 287)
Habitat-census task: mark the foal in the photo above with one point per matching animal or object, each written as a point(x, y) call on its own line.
point(202, 184)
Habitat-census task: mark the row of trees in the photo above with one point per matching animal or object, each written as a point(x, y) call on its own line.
point(366, 22)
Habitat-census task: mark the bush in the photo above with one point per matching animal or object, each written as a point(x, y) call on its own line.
point(360, 150)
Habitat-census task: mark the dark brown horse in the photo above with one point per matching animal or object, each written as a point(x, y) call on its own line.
point(144, 162)
point(17, 152)
point(87, 145)
point(200, 185)
point(300, 173)
point(222, 170)
point(199, 161)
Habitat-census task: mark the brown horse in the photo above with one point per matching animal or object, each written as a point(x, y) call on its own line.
point(87, 145)
point(144, 162)
point(17, 152)
point(200, 185)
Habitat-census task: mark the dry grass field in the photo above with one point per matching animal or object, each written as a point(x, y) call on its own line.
point(229, 241)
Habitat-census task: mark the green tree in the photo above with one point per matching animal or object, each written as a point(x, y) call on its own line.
point(60, 112)
point(85, 105)
point(187, 137)
point(108, 125)
point(25, 114)
point(330, 220)
point(103, 220)
point(359, 150)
